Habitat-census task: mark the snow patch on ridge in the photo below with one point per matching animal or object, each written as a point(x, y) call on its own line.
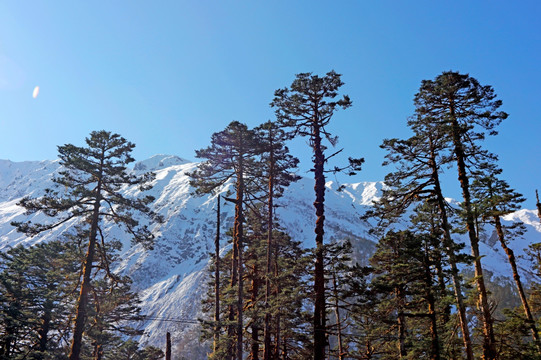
point(157, 162)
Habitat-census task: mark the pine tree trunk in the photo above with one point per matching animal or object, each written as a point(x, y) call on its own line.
point(7, 344)
point(276, 292)
point(319, 273)
point(234, 277)
point(341, 352)
point(217, 280)
point(442, 286)
point(168, 347)
point(518, 282)
point(489, 350)
point(231, 307)
point(435, 342)
point(448, 245)
point(401, 322)
point(284, 350)
point(254, 351)
point(267, 332)
point(239, 240)
point(82, 302)
point(429, 296)
point(43, 332)
point(98, 352)
point(254, 295)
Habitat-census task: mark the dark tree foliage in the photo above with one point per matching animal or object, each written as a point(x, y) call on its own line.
point(88, 189)
point(405, 284)
point(47, 276)
point(307, 107)
point(130, 350)
point(37, 298)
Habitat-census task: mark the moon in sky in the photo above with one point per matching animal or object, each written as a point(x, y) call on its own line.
point(36, 92)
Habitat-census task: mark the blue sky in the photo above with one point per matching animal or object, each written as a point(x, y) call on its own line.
point(167, 74)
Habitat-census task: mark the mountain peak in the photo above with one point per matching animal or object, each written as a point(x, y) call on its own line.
point(160, 161)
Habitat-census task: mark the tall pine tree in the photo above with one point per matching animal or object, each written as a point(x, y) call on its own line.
point(276, 165)
point(307, 107)
point(419, 160)
point(494, 198)
point(467, 111)
point(231, 156)
point(88, 189)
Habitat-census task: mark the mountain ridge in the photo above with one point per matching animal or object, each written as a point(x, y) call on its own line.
point(171, 278)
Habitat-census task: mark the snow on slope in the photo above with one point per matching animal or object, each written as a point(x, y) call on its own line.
point(171, 278)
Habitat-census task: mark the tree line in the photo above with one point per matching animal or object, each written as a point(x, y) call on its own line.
point(420, 295)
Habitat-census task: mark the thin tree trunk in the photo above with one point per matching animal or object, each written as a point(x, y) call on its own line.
point(234, 277)
point(217, 279)
point(43, 332)
point(401, 322)
point(82, 302)
point(254, 351)
point(538, 204)
point(341, 352)
point(489, 351)
point(284, 350)
point(98, 352)
point(442, 286)
point(448, 246)
point(254, 295)
point(518, 282)
point(168, 347)
point(319, 273)
point(435, 342)
point(276, 292)
point(239, 234)
point(267, 332)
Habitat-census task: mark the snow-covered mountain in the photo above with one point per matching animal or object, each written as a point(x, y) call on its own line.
point(171, 278)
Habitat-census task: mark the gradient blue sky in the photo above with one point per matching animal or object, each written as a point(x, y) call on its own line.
point(167, 74)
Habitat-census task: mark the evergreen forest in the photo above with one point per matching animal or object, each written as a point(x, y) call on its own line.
point(423, 294)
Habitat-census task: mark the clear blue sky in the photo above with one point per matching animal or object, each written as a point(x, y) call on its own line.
point(167, 74)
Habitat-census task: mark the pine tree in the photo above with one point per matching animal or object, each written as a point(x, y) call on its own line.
point(339, 266)
point(230, 156)
point(36, 287)
point(417, 178)
point(277, 164)
point(289, 295)
point(494, 198)
point(113, 307)
point(402, 266)
point(307, 107)
point(290, 298)
point(467, 112)
point(88, 190)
